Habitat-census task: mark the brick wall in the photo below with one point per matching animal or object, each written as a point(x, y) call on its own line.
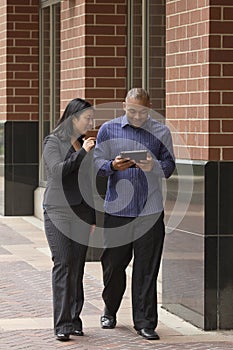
point(187, 74)
point(3, 26)
point(221, 80)
point(199, 76)
point(22, 59)
point(93, 50)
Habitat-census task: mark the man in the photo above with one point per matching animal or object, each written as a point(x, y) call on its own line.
point(133, 223)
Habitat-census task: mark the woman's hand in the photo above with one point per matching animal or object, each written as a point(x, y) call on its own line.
point(92, 229)
point(89, 143)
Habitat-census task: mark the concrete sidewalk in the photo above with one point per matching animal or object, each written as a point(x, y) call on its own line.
point(26, 303)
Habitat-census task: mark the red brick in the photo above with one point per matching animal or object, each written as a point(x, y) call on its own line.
point(205, 126)
point(18, 100)
point(214, 126)
point(121, 72)
point(195, 98)
point(171, 8)
point(107, 61)
point(215, 41)
point(191, 85)
point(100, 72)
point(180, 32)
point(221, 140)
point(184, 72)
point(222, 2)
point(100, 30)
point(221, 27)
point(228, 13)
point(193, 58)
point(122, 9)
point(184, 18)
point(195, 153)
point(19, 116)
point(227, 97)
point(173, 21)
point(195, 44)
point(115, 40)
point(18, 83)
point(110, 82)
point(181, 6)
point(120, 94)
point(215, 13)
point(221, 56)
point(228, 69)
point(228, 153)
point(214, 153)
point(100, 51)
point(107, 8)
point(26, 9)
point(214, 97)
point(121, 30)
point(221, 83)
point(192, 30)
point(215, 70)
point(121, 51)
point(26, 92)
point(18, 18)
point(228, 41)
point(26, 108)
point(18, 34)
point(184, 99)
point(227, 125)
point(106, 19)
point(26, 42)
point(221, 112)
point(195, 16)
point(100, 93)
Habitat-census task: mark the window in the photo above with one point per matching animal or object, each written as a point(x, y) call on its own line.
point(146, 49)
point(49, 71)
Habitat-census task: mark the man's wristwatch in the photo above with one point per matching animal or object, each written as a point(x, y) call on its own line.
point(111, 166)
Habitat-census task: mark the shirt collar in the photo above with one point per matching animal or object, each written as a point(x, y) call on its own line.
point(145, 126)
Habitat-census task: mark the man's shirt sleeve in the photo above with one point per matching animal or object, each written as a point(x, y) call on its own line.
point(165, 163)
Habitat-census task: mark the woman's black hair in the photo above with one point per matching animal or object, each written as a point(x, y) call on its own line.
point(74, 109)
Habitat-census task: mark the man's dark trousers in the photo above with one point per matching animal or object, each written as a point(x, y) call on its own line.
point(147, 249)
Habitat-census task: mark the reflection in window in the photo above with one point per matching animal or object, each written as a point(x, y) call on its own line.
point(49, 73)
point(147, 49)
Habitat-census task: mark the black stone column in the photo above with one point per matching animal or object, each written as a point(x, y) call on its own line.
point(21, 167)
point(197, 277)
point(219, 245)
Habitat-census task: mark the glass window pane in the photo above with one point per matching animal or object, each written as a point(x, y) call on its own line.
point(157, 54)
point(57, 58)
point(50, 73)
point(137, 44)
point(46, 72)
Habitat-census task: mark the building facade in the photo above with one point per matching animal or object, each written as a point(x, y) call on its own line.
point(182, 52)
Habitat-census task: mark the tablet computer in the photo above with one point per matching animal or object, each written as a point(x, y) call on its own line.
point(135, 155)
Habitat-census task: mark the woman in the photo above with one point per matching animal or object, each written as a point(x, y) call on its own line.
point(68, 218)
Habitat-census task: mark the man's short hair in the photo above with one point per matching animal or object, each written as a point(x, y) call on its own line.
point(138, 94)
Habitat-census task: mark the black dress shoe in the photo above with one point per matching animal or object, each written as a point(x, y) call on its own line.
point(77, 332)
point(148, 334)
point(108, 322)
point(63, 336)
